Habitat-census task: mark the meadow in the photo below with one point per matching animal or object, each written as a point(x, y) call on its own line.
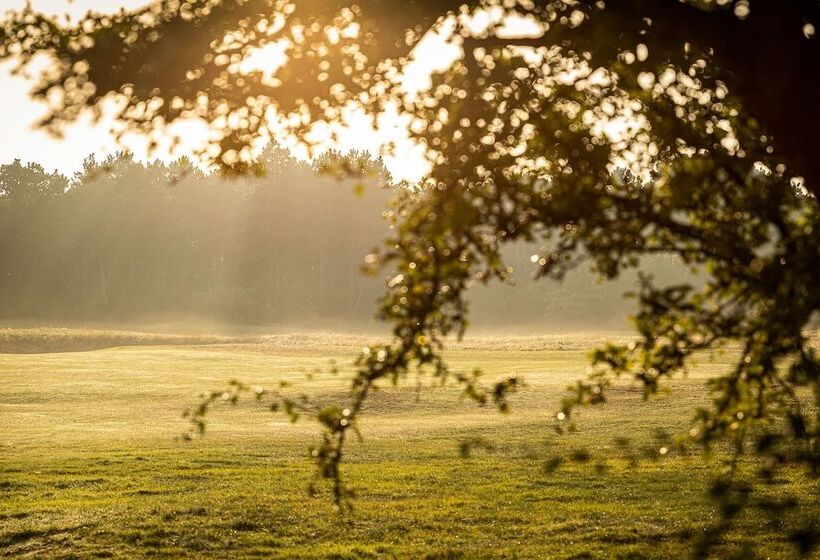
point(92, 464)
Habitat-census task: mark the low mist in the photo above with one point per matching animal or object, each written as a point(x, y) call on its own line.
point(164, 246)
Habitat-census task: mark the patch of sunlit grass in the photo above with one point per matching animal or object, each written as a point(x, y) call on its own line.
point(34, 340)
point(92, 462)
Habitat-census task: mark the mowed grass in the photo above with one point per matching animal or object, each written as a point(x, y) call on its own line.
point(93, 466)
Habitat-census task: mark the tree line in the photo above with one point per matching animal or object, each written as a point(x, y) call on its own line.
point(127, 240)
point(123, 240)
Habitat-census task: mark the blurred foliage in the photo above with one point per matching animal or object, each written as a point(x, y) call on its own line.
point(621, 130)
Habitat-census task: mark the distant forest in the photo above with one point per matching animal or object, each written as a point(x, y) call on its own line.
point(123, 241)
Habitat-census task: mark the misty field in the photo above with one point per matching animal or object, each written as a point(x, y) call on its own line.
point(92, 465)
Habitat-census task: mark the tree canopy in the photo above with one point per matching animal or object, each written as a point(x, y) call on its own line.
point(617, 130)
point(176, 59)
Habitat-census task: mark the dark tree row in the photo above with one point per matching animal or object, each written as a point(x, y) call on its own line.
point(122, 240)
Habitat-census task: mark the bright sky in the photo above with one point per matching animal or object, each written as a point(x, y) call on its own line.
point(18, 113)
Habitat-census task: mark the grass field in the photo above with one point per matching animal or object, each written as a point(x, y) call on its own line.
point(92, 465)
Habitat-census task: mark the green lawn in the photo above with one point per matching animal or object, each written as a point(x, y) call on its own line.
point(92, 465)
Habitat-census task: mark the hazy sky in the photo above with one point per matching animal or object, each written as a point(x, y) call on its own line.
point(18, 113)
point(22, 140)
